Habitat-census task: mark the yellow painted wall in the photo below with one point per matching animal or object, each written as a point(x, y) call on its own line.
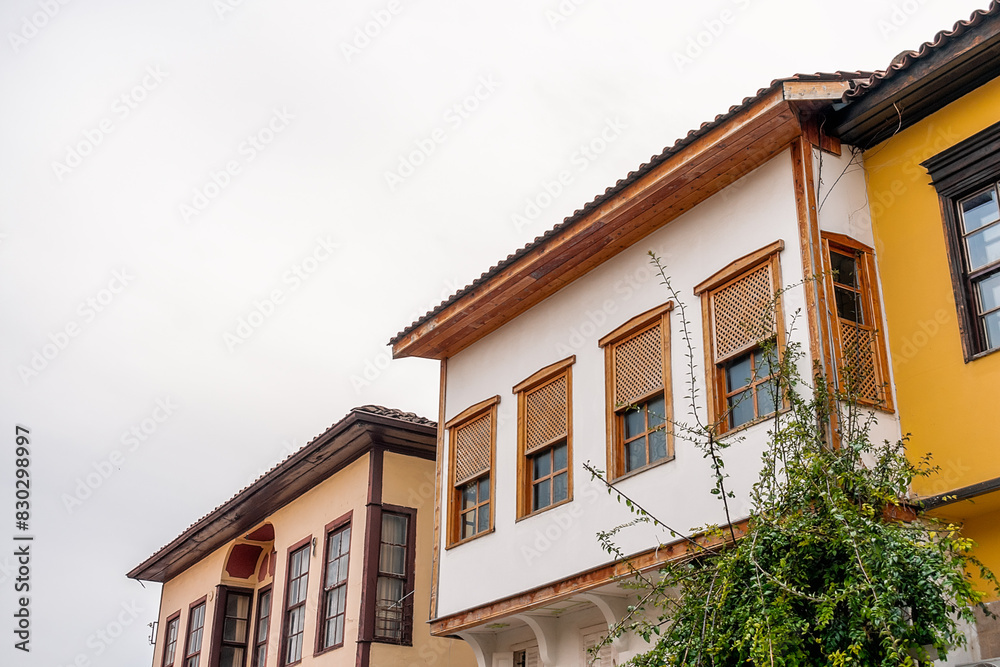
point(409, 482)
point(943, 402)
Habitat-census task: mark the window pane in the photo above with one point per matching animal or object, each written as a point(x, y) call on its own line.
point(763, 361)
point(484, 518)
point(989, 293)
point(984, 247)
point(657, 445)
point(635, 454)
point(469, 524)
point(992, 323)
point(740, 409)
point(657, 411)
point(394, 528)
point(392, 559)
point(848, 305)
point(559, 457)
point(238, 606)
point(635, 423)
point(540, 465)
point(234, 630)
point(540, 495)
point(844, 269)
point(261, 658)
point(232, 656)
point(560, 487)
point(766, 398)
point(980, 210)
point(484, 489)
point(345, 541)
point(469, 496)
point(738, 373)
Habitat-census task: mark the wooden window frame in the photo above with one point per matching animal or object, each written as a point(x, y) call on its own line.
point(174, 618)
point(258, 642)
point(336, 526)
point(406, 638)
point(222, 594)
point(537, 381)
point(970, 166)
point(614, 414)
point(201, 602)
point(285, 609)
point(470, 414)
point(715, 369)
point(871, 309)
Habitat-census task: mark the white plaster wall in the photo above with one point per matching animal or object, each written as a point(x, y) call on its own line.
point(843, 208)
point(752, 213)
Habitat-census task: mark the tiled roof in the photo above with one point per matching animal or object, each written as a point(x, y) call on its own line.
point(632, 176)
point(376, 410)
point(905, 60)
point(411, 417)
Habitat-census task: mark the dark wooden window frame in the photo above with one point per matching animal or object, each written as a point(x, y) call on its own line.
point(476, 411)
point(525, 477)
point(167, 650)
point(202, 601)
point(334, 526)
point(871, 308)
point(962, 170)
point(373, 565)
point(715, 371)
point(615, 415)
point(222, 593)
point(282, 657)
point(257, 640)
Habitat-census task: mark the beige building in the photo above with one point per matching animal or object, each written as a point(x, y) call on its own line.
point(324, 560)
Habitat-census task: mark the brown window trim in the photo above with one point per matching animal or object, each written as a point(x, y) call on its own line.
point(203, 600)
point(337, 524)
point(615, 441)
point(871, 309)
point(176, 616)
point(283, 644)
point(373, 565)
point(715, 376)
point(258, 607)
point(222, 593)
point(525, 482)
point(454, 501)
point(957, 172)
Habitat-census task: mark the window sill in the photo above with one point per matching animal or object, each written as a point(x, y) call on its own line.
point(755, 422)
point(328, 649)
point(469, 539)
point(979, 355)
point(545, 509)
point(639, 471)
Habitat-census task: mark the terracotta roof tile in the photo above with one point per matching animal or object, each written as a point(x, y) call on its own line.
point(906, 59)
point(632, 176)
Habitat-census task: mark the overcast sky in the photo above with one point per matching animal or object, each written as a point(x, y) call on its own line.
point(214, 215)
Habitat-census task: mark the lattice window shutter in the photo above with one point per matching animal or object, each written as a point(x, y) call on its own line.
point(743, 313)
point(858, 355)
point(531, 657)
point(472, 447)
point(545, 414)
point(638, 366)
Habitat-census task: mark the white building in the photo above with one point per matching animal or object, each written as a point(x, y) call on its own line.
point(540, 355)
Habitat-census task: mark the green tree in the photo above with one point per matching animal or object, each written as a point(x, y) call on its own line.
point(832, 567)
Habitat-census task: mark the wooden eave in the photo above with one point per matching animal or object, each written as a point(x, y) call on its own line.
point(925, 85)
point(344, 443)
point(692, 174)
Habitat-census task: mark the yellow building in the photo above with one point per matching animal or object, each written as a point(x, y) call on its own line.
point(929, 128)
point(324, 560)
